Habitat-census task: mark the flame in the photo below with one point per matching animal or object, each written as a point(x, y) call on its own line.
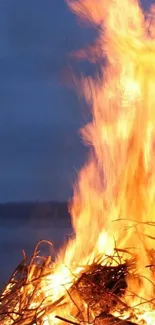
point(114, 201)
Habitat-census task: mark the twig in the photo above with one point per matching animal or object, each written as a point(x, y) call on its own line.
point(66, 320)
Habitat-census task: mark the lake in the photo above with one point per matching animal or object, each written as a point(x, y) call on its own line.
point(24, 233)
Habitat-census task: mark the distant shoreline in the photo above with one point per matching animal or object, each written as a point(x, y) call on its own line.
point(34, 213)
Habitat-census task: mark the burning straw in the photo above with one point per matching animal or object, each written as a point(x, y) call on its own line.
point(23, 300)
point(101, 287)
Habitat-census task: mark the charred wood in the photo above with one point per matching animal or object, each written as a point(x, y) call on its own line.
point(111, 320)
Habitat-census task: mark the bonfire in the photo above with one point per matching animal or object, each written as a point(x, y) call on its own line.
point(105, 274)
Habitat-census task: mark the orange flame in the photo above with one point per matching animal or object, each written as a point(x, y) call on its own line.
point(114, 201)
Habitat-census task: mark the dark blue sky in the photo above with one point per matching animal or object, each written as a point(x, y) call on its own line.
point(39, 116)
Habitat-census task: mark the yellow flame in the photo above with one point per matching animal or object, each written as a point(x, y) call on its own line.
point(114, 200)
point(115, 194)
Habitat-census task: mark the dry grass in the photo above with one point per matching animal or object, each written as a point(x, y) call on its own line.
point(101, 288)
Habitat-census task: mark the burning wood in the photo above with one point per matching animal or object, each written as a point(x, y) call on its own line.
point(100, 286)
point(114, 201)
point(111, 320)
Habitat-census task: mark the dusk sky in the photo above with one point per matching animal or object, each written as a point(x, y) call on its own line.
point(39, 116)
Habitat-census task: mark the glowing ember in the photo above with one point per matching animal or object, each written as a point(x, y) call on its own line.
point(113, 208)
